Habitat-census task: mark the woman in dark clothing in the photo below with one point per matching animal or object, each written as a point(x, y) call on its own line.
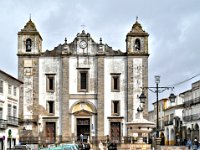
point(112, 146)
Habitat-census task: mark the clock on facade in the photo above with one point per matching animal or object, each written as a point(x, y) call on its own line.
point(83, 44)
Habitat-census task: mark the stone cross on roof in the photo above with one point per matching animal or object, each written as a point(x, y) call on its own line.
point(83, 26)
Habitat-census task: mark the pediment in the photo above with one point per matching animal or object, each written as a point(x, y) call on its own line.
point(83, 113)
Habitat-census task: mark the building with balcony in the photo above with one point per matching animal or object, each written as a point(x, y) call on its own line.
point(173, 121)
point(170, 120)
point(9, 105)
point(191, 112)
point(81, 87)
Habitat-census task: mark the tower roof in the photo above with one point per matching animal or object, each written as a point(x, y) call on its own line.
point(29, 28)
point(137, 30)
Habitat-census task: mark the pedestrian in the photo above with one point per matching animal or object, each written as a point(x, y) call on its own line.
point(112, 146)
point(101, 147)
point(189, 143)
point(80, 146)
point(81, 137)
point(196, 144)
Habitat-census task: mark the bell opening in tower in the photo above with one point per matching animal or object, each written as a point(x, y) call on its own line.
point(28, 45)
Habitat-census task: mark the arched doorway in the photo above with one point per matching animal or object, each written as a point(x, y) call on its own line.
point(83, 120)
point(196, 132)
point(162, 136)
point(167, 133)
point(188, 133)
point(172, 137)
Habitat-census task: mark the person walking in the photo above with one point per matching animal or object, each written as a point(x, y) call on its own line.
point(196, 144)
point(189, 144)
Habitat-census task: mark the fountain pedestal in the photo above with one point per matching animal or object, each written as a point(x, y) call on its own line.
point(140, 146)
point(140, 126)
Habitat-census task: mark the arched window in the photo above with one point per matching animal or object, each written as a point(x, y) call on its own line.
point(137, 45)
point(28, 45)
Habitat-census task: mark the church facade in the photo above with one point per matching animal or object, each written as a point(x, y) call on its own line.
point(80, 88)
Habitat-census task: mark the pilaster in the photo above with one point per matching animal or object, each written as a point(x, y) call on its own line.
point(100, 97)
point(130, 88)
point(66, 121)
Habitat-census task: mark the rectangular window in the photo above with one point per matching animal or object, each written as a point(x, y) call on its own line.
point(115, 108)
point(14, 111)
point(115, 82)
point(50, 83)
point(1, 113)
point(1, 86)
point(15, 91)
point(9, 89)
point(50, 107)
point(83, 81)
point(9, 110)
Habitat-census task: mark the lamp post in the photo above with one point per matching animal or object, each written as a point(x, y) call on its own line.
point(157, 89)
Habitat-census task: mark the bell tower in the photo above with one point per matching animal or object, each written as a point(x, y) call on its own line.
point(137, 40)
point(29, 40)
point(29, 50)
point(137, 70)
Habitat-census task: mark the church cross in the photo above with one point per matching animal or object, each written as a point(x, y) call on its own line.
point(83, 26)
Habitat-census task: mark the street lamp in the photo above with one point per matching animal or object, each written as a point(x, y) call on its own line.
point(157, 90)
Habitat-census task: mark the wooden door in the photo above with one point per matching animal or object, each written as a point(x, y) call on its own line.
point(50, 132)
point(115, 131)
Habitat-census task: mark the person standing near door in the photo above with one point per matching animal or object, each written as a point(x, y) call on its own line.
point(81, 137)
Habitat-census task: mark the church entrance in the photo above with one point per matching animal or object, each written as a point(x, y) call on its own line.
point(50, 132)
point(115, 131)
point(83, 129)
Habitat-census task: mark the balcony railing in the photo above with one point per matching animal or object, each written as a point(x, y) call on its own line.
point(191, 117)
point(191, 102)
point(169, 122)
point(12, 120)
point(3, 124)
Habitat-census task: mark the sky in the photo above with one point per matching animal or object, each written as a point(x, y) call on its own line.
point(173, 27)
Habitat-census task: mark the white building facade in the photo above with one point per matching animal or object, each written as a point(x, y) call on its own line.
point(9, 105)
point(82, 87)
point(191, 112)
point(170, 120)
point(173, 122)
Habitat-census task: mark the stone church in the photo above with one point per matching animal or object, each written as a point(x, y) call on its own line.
point(83, 87)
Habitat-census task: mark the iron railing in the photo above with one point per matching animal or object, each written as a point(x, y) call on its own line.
point(191, 102)
point(92, 140)
point(191, 117)
point(12, 120)
point(169, 122)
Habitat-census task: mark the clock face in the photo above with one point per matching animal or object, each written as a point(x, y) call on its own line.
point(83, 44)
